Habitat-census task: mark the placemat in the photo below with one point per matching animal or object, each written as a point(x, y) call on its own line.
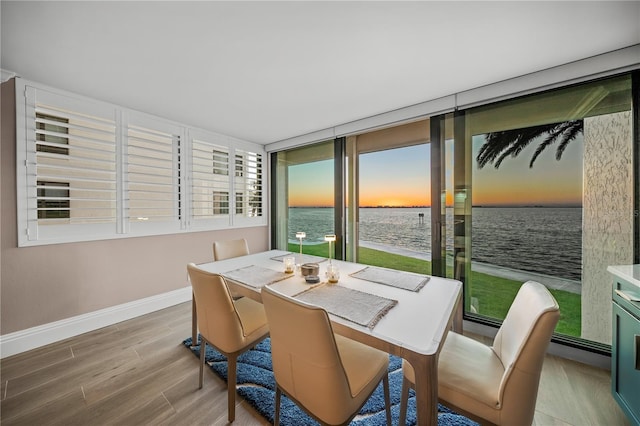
point(401, 279)
point(306, 258)
point(353, 305)
point(256, 276)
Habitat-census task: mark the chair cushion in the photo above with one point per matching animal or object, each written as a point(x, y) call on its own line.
point(359, 362)
point(252, 316)
point(469, 375)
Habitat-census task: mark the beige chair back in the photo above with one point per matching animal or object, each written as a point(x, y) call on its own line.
point(218, 320)
point(306, 361)
point(521, 344)
point(230, 248)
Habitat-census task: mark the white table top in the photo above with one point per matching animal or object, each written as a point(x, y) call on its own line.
point(418, 322)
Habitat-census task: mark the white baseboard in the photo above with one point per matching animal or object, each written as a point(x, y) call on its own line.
point(31, 338)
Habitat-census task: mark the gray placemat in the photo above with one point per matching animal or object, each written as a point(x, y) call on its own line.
point(401, 279)
point(306, 258)
point(256, 276)
point(353, 305)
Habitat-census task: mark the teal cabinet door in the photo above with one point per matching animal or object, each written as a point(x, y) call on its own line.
point(625, 362)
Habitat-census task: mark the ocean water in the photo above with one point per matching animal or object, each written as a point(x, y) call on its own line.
point(543, 240)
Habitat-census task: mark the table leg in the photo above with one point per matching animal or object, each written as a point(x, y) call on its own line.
point(426, 372)
point(458, 318)
point(194, 321)
point(426, 387)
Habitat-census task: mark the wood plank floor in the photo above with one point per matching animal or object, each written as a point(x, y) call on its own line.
point(138, 373)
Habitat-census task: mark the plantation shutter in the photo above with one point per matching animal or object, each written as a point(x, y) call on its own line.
point(70, 158)
point(153, 175)
point(248, 184)
point(210, 188)
point(88, 170)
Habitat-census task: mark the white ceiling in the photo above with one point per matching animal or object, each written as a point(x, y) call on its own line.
point(266, 71)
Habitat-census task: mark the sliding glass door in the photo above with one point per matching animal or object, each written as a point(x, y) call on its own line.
point(548, 181)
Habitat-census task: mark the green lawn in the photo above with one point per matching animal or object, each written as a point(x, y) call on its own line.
point(494, 294)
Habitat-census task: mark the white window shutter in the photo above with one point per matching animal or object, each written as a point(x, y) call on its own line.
point(69, 188)
point(248, 186)
point(153, 184)
point(88, 170)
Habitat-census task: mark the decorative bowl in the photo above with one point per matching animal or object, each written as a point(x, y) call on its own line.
point(309, 269)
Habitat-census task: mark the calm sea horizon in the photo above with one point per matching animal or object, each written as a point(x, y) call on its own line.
point(545, 240)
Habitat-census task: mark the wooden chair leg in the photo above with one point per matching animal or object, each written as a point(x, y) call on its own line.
point(203, 351)
point(404, 401)
point(231, 386)
point(276, 417)
point(387, 399)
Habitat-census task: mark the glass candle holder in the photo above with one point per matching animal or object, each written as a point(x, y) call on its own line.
point(332, 274)
point(289, 264)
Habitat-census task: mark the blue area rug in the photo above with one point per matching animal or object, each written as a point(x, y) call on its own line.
point(256, 384)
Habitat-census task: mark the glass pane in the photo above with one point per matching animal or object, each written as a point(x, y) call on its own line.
point(53, 200)
point(552, 202)
point(388, 182)
point(395, 209)
point(305, 198)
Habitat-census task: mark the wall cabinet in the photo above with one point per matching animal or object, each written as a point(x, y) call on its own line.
point(625, 345)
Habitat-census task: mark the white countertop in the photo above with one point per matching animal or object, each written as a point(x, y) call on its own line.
point(629, 273)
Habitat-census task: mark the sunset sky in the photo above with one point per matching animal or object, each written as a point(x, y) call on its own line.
point(549, 182)
point(401, 177)
point(397, 177)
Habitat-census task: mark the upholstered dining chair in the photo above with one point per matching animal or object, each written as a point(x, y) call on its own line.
point(221, 250)
point(327, 375)
point(497, 384)
point(230, 326)
point(230, 248)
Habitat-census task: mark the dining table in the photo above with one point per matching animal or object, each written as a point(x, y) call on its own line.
point(416, 311)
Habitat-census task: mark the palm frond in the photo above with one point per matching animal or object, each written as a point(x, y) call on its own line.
point(571, 133)
point(510, 143)
point(543, 145)
point(502, 144)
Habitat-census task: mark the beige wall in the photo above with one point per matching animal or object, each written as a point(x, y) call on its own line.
point(43, 284)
